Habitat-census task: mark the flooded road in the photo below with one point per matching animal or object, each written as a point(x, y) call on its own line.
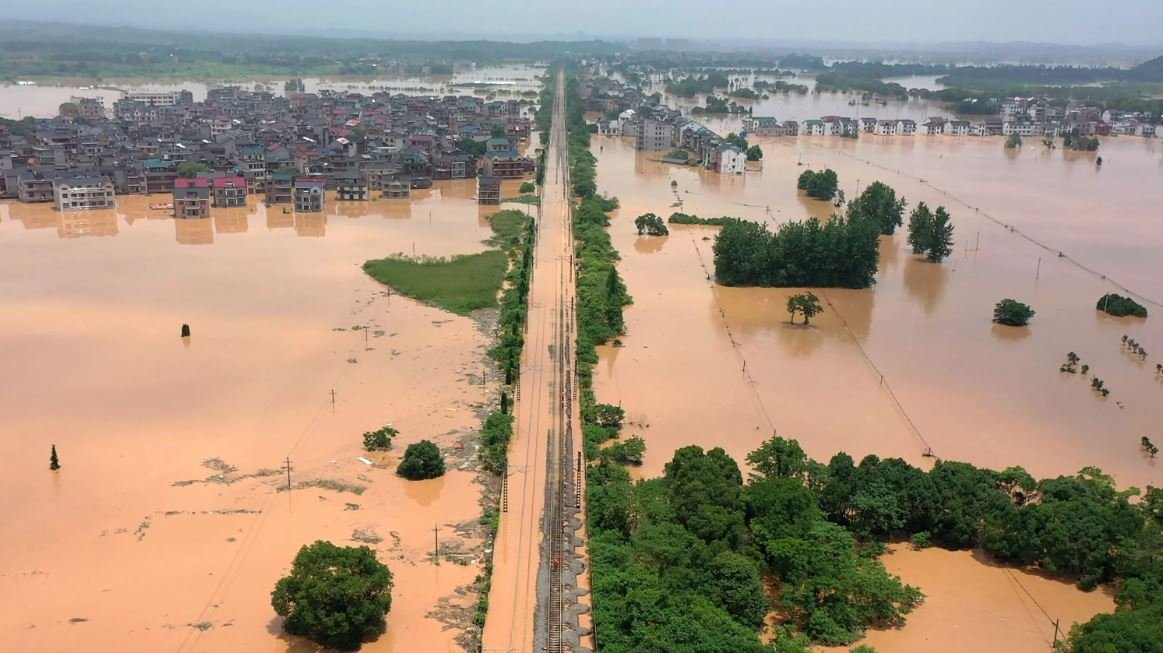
point(915, 362)
point(168, 523)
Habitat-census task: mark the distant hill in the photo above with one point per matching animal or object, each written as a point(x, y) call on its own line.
point(1148, 71)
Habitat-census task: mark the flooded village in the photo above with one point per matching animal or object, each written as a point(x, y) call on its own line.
point(194, 465)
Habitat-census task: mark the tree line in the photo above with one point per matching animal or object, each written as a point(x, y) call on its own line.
point(679, 561)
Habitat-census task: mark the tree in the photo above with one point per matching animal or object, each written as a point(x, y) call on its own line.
point(470, 146)
point(69, 109)
point(334, 596)
point(1120, 306)
point(54, 463)
point(422, 460)
point(379, 439)
point(192, 168)
point(627, 452)
point(651, 225)
point(754, 153)
point(879, 203)
point(737, 140)
point(1014, 141)
point(778, 458)
point(930, 233)
point(527, 187)
point(805, 303)
point(820, 185)
point(1012, 313)
point(497, 131)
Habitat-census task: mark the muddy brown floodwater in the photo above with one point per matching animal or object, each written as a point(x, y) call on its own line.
point(166, 529)
point(915, 362)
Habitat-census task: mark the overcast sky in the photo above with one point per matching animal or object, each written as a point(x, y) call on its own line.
point(1138, 22)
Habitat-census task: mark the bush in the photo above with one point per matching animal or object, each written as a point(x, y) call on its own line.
point(921, 540)
point(527, 187)
point(422, 460)
point(335, 596)
point(1120, 306)
point(1012, 313)
point(683, 218)
point(379, 439)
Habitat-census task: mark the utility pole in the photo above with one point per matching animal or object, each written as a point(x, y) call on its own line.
point(288, 473)
point(1038, 271)
point(333, 400)
point(365, 328)
point(436, 538)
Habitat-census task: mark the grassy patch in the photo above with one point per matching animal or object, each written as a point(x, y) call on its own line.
point(460, 284)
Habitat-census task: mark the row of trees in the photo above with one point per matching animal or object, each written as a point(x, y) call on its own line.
point(840, 252)
point(678, 561)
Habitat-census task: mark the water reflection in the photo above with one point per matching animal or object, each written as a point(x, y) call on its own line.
point(74, 224)
point(312, 225)
point(925, 281)
point(194, 231)
point(650, 244)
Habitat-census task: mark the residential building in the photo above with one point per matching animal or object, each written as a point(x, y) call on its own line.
point(192, 197)
point(731, 161)
point(655, 136)
point(488, 190)
point(310, 194)
point(84, 193)
point(957, 128)
point(280, 188)
point(228, 191)
point(351, 186)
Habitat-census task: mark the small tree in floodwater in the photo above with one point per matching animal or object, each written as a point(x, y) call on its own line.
point(379, 439)
point(54, 463)
point(805, 303)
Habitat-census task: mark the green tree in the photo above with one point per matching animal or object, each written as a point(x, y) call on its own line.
point(527, 187)
point(778, 458)
point(930, 233)
point(421, 460)
point(627, 452)
point(1119, 306)
point(879, 203)
point(651, 225)
point(1012, 313)
point(379, 439)
point(754, 153)
point(334, 596)
point(69, 110)
point(497, 131)
point(1014, 141)
point(192, 168)
point(54, 463)
point(471, 146)
point(738, 141)
point(820, 185)
point(805, 303)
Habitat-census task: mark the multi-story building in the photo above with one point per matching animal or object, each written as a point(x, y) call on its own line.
point(488, 190)
point(310, 194)
point(159, 175)
point(192, 197)
point(655, 136)
point(281, 188)
point(351, 186)
point(228, 191)
point(34, 186)
point(84, 193)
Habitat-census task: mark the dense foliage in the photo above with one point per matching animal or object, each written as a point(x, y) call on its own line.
point(931, 233)
point(650, 225)
point(820, 185)
point(691, 86)
point(806, 304)
point(1120, 306)
point(816, 528)
point(422, 460)
point(334, 596)
point(880, 204)
point(379, 439)
point(840, 252)
point(1012, 313)
point(1074, 140)
point(684, 218)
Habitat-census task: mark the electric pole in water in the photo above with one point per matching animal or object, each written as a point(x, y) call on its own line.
point(288, 473)
point(436, 539)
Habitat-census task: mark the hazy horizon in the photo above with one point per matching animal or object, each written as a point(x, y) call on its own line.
point(898, 22)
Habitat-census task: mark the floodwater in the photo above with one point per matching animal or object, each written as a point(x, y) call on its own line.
point(915, 362)
point(166, 528)
point(43, 100)
point(973, 604)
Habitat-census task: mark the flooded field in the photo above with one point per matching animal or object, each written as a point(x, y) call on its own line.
point(169, 523)
point(505, 82)
point(915, 362)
